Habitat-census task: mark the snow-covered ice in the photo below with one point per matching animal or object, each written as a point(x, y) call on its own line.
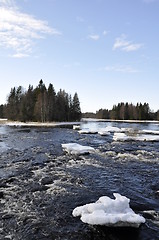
point(121, 137)
point(109, 212)
point(138, 137)
point(103, 131)
point(150, 132)
point(87, 131)
point(75, 148)
point(76, 127)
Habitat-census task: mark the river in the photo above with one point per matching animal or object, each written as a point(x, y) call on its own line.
point(40, 184)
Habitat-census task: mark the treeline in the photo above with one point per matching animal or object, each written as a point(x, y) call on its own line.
point(41, 104)
point(126, 111)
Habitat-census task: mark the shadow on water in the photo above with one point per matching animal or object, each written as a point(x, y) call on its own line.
point(101, 232)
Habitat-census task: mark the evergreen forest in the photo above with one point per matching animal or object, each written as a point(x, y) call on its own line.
point(41, 104)
point(126, 111)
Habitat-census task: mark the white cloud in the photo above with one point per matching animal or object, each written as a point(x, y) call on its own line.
point(132, 47)
point(20, 55)
point(122, 69)
point(94, 37)
point(123, 44)
point(7, 2)
point(18, 30)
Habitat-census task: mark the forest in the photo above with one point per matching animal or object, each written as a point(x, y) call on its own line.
point(126, 111)
point(41, 104)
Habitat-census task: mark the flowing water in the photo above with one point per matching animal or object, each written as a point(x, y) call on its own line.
point(40, 185)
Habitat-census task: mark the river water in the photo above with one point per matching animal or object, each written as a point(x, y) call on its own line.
point(40, 185)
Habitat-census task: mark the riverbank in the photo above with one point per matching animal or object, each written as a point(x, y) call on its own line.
point(36, 124)
point(56, 124)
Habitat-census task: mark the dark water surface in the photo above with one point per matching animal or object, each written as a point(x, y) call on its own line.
point(40, 185)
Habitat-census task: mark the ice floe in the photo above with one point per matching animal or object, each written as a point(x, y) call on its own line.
point(87, 131)
point(109, 212)
point(76, 127)
point(138, 137)
point(121, 137)
point(150, 131)
point(75, 148)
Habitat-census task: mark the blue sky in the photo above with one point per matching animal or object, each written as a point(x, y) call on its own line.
point(106, 51)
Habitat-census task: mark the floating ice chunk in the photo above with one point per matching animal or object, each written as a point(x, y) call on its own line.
point(103, 132)
point(138, 137)
point(109, 212)
point(76, 127)
point(75, 148)
point(150, 132)
point(121, 137)
point(147, 137)
point(87, 131)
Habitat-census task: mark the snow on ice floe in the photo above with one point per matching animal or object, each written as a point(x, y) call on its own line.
point(138, 137)
point(75, 148)
point(109, 212)
point(156, 132)
point(87, 131)
point(76, 127)
point(103, 131)
point(121, 137)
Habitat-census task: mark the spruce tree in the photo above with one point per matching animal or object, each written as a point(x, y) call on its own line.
point(76, 108)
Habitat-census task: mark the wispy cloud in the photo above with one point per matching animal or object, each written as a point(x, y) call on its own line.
point(94, 37)
point(20, 55)
point(123, 44)
point(121, 69)
point(18, 31)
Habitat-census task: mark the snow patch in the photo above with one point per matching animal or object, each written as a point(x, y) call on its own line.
point(109, 212)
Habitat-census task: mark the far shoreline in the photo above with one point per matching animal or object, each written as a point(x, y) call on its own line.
point(58, 124)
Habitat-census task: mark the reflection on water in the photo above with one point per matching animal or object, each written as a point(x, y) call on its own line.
point(3, 129)
point(135, 126)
